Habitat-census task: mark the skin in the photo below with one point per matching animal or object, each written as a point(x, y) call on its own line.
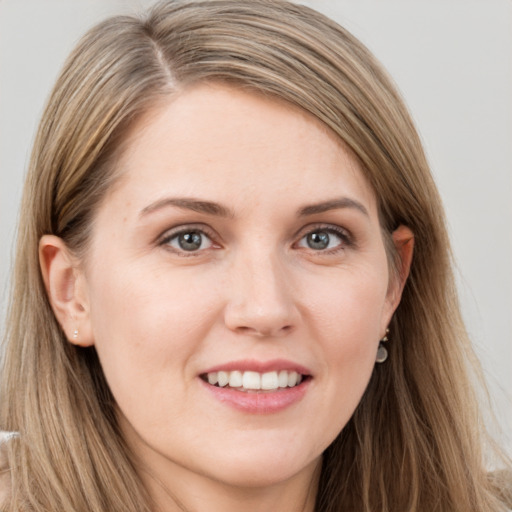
point(256, 289)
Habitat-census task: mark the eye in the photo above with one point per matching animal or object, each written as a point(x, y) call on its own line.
point(188, 240)
point(324, 239)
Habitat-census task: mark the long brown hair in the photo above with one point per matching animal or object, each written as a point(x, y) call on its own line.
point(416, 440)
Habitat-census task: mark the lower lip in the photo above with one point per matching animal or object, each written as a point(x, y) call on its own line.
point(254, 402)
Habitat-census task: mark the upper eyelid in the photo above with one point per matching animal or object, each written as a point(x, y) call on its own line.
point(172, 232)
point(323, 226)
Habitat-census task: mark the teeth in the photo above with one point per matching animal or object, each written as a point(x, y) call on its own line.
point(269, 381)
point(283, 379)
point(235, 380)
point(255, 381)
point(251, 380)
point(222, 378)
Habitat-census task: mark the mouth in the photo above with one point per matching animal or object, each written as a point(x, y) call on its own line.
point(255, 382)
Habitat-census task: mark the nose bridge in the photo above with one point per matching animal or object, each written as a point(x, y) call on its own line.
point(260, 301)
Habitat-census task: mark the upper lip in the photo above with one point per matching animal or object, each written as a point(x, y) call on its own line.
point(248, 365)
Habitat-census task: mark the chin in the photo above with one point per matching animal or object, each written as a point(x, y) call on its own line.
point(252, 478)
point(264, 471)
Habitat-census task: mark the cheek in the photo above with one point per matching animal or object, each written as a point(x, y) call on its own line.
point(348, 306)
point(346, 320)
point(147, 326)
point(148, 302)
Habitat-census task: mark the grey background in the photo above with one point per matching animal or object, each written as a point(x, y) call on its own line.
point(452, 60)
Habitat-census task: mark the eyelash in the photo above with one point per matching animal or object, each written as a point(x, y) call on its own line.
point(166, 239)
point(346, 239)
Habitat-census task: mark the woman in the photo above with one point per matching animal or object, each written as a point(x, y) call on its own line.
point(233, 283)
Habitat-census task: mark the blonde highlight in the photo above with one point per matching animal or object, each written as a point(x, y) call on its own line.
point(414, 440)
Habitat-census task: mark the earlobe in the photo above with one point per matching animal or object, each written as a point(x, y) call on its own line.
point(66, 289)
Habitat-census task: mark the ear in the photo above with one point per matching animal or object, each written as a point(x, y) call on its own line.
point(403, 240)
point(66, 288)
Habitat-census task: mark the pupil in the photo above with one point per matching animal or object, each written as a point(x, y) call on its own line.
point(190, 241)
point(318, 240)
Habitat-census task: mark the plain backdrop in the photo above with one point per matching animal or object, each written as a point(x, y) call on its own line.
point(452, 61)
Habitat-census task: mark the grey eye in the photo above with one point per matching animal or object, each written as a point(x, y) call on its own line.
point(321, 239)
point(190, 241)
point(318, 240)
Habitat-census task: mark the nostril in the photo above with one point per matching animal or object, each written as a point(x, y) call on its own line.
point(254, 331)
point(264, 332)
point(244, 329)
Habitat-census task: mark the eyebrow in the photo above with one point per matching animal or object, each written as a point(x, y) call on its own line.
point(196, 205)
point(212, 208)
point(332, 204)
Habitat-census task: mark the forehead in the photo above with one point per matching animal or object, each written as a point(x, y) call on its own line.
point(222, 140)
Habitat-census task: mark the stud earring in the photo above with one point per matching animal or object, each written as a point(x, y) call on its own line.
point(75, 334)
point(382, 351)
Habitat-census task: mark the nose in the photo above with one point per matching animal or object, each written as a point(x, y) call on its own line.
point(260, 298)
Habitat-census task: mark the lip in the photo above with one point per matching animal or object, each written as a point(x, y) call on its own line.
point(259, 402)
point(249, 365)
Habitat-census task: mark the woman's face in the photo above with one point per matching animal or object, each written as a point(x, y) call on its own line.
point(241, 245)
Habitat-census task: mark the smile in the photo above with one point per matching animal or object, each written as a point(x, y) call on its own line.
point(254, 381)
point(257, 387)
